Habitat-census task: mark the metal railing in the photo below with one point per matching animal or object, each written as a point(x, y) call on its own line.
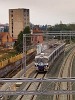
point(40, 91)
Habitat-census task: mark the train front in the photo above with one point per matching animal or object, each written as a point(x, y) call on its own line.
point(41, 63)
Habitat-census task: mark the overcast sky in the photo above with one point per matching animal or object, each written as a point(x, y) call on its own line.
point(41, 11)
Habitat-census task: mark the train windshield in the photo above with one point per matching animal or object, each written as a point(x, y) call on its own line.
point(45, 60)
point(38, 60)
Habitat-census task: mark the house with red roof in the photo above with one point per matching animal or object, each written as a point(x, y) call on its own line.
point(37, 36)
point(5, 39)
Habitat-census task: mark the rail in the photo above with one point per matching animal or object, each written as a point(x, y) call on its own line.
point(65, 71)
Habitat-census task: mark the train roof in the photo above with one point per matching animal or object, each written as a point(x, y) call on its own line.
point(50, 50)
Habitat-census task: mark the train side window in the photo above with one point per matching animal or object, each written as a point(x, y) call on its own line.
point(55, 53)
point(50, 58)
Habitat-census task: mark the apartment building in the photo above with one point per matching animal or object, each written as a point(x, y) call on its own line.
point(18, 20)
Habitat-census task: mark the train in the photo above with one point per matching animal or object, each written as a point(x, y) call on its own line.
point(45, 59)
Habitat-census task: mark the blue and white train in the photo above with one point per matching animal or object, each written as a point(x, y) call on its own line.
point(44, 60)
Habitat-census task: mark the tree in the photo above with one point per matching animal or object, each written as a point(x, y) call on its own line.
point(6, 29)
point(19, 43)
point(62, 27)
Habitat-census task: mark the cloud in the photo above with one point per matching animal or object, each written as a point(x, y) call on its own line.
point(41, 11)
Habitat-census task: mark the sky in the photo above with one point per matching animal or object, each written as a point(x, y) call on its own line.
point(42, 12)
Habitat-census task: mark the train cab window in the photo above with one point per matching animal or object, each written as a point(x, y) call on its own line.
point(38, 60)
point(45, 60)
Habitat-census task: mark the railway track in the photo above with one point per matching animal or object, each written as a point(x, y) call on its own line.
point(65, 71)
point(31, 86)
point(14, 71)
point(34, 97)
point(29, 70)
point(68, 46)
point(28, 88)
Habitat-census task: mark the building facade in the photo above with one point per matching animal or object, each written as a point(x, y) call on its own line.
point(5, 39)
point(4, 27)
point(18, 20)
point(37, 36)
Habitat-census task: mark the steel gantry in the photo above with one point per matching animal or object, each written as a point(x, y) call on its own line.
point(45, 91)
point(24, 54)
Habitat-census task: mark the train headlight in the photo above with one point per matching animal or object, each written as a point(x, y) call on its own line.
point(46, 68)
point(36, 68)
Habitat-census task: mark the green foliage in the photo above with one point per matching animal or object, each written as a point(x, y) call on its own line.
point(19, 43)
point(6, 29)
point(62, 27)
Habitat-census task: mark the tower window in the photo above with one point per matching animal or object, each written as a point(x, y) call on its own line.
point(11, 11)
point(11, 15)
point(24, 10)
point(12, 35)
point(12, 31)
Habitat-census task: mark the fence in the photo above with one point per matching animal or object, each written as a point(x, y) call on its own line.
point(14, 59)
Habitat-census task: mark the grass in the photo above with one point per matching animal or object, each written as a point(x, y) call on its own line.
point(5, 54)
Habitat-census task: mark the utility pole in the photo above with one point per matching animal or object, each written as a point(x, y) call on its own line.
point(70, 37)
point(46, 35)
point(61, 36)
point(24, 54)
